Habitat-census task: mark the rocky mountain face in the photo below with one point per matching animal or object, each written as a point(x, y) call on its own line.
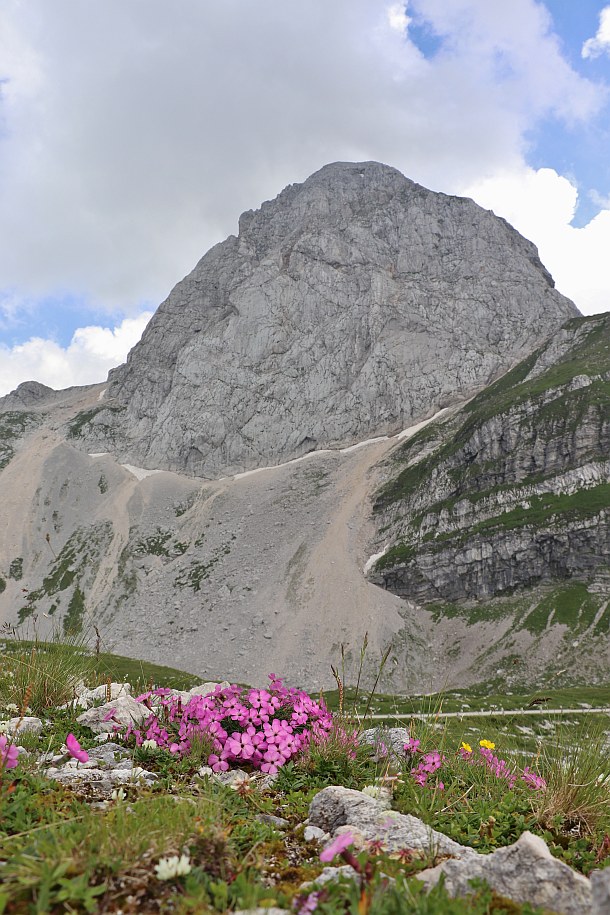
point(347, 307)
point(502, 509)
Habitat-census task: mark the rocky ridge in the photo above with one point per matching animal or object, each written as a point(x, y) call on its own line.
point(350, 306)
point(510, 494)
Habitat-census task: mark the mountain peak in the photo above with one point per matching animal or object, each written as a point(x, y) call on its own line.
point(351, 305)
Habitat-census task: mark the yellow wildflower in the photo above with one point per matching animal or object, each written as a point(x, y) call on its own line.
point(466, 747)
point(487, 744)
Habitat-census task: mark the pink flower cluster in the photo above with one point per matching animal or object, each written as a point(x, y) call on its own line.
point(262, 727)
point(8, 754)
point(498, 767)
point(533, 780)
point(501, 769)
point(432, 762)
point(428, 764)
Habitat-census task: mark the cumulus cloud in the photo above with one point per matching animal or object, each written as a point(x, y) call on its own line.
point(600, 43)
point(133, 134)
point(91, 353)
point(541, 205)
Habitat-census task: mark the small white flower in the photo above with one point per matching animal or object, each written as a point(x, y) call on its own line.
point(11, 707)
point(168, 868)
point(149, 745)
point(118, 794)
point(4, 727)
point(380, 793)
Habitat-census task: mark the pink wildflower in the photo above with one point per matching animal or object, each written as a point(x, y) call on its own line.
point(337, 846)
point(428, 764)
point(8, 754)
point(74, 749)
point(532, 780)
point(412, 745)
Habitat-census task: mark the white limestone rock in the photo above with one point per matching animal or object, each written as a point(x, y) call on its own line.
point(524, 872)
point(27, 725)
point(335, 807)
point(126, 711)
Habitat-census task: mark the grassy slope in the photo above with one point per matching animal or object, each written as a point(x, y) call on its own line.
point(59, 853)
point(455, 457)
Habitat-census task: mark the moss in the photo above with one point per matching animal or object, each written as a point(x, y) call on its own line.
point(179, 547)
point(15, 569)
point(86, 417)
point(399, 554)
point(196, 574)
point(73, 620)
point(155, 545)
point(199, 571)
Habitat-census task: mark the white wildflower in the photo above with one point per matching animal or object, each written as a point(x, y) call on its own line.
point(149, 745)
point(168, 868)
point(118, 794)
point(11, 707)
point(380, 793)
point(4, 727)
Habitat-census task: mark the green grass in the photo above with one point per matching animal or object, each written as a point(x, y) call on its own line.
point(59, 660)
point(61, 853)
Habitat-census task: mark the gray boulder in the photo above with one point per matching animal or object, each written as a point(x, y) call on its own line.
point(126, 711)
point(335, 807)
point(523, 872)
point(27, 725)
point(600, 889)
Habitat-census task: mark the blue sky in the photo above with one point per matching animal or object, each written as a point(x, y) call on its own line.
point(133, 135)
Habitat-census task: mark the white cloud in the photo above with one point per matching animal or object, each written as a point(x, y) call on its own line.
point(541, 205)
point(133, 135)
point(397, 17)
point(600, 43)
point(91, 353)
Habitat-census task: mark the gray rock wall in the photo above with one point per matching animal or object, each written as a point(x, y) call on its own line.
point(349, 306)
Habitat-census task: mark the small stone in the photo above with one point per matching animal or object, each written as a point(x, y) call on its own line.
point(314, 834)
point(278, 822)
point(27, 725)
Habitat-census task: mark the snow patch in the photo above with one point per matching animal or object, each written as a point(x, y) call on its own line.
point(95, 454)
point(408, 433)
point(139, 472)
point(249, 473)
point(368, 441)
point(373, 559)
point(102, 394)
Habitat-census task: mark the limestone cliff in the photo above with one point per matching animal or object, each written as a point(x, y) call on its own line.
point(515, 489)
point(347, 307)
